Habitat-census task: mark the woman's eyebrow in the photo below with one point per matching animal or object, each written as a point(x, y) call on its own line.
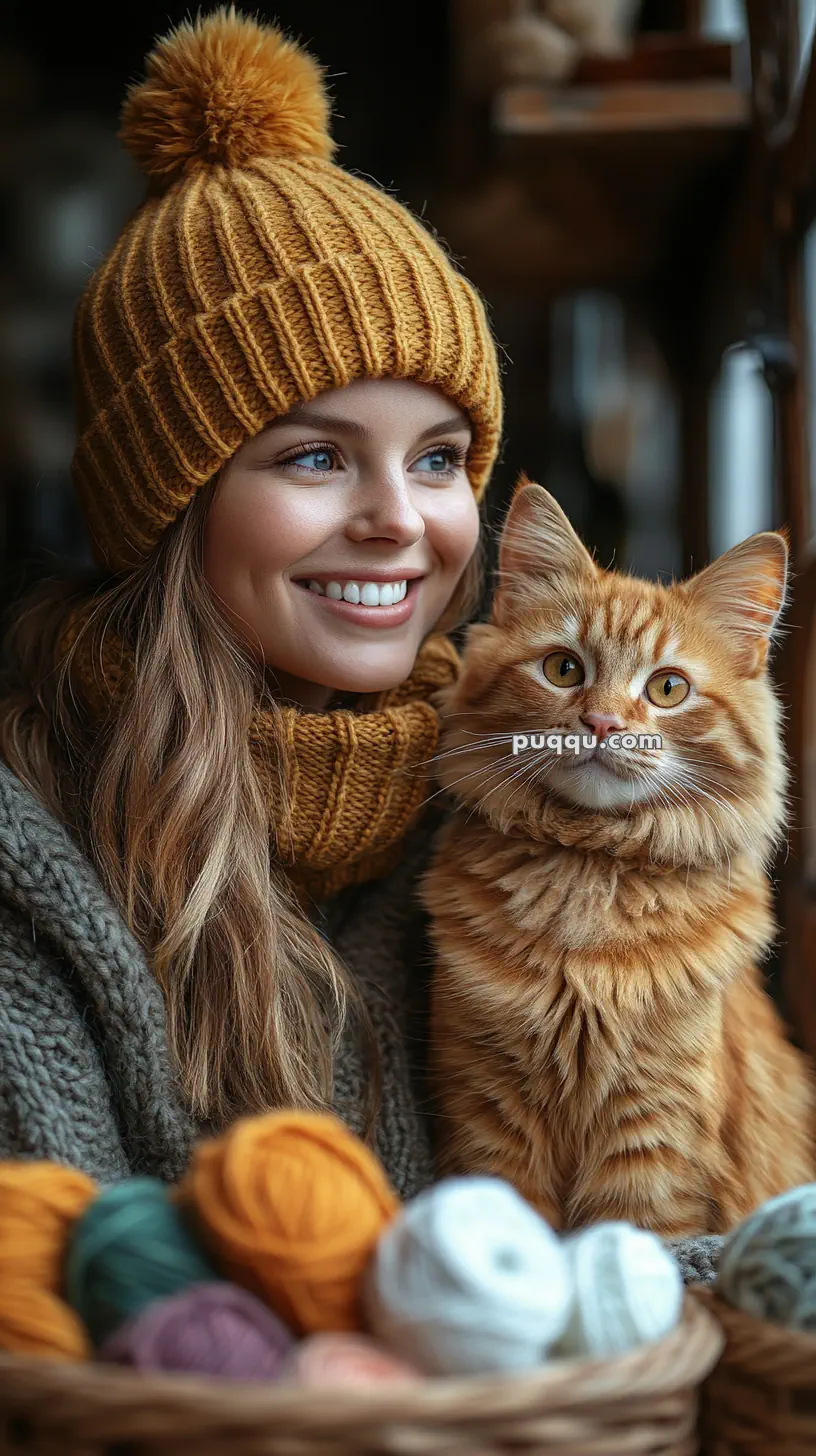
point(444, 427)
point(361, 432)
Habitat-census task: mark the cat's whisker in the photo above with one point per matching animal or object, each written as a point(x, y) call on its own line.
point(700, 763)
point(501, 782)
point(543, 765)
point(482, 743)
point(692, 780)
point(675, 790)
point(488, 739)
point(505, 783)
point(719, 837)
point(490, 771)
point(468, 713)
point(503, 775)
point(541, 772)
point(499, 764)
point(448, 788)
point(493, 763)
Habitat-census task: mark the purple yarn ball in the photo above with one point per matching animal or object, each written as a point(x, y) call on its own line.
point(207, 1329)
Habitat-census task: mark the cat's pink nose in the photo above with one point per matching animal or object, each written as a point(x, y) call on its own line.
point(602, 724)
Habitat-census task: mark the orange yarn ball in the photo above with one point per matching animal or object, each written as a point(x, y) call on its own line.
point(39, 1205)
point(291, 1205)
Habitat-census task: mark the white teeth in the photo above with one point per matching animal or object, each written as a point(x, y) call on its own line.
point(367, 593)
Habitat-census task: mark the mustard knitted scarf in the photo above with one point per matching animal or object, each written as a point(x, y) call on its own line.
point(355, 780)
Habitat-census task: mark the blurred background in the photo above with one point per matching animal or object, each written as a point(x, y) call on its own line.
point(592, 407)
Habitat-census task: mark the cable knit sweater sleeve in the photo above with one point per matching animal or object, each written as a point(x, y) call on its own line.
point(85, 1069)
point(56, 1100)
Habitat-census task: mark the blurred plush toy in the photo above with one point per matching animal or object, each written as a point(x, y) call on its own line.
point(506, 41)
point(600, 27)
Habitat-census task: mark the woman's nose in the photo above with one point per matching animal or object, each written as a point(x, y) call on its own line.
point(602, 724)
point(385, 508)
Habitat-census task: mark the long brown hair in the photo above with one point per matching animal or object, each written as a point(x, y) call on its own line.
point(165, 801)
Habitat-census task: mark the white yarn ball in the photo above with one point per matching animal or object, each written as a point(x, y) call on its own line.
point(768, 1262)
point(468, 1279)
point(628, 1290)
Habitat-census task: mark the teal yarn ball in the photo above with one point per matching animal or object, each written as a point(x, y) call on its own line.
point(130, 1248)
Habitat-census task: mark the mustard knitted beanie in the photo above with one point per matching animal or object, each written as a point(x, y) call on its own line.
point(255, 275)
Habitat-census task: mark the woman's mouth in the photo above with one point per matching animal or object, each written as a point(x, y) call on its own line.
point(373, 603)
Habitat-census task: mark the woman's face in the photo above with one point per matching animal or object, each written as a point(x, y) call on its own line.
point(361, 489)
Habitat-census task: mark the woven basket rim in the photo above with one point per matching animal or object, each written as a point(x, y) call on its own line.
point(772, 1335)
point(679, 1360)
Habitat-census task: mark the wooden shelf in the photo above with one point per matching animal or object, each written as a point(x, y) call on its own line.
point(585, 186)
point(540, 117)
point(665, 58)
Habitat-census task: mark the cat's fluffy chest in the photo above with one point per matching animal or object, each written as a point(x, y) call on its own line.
point(570, 924)
point(567, 983)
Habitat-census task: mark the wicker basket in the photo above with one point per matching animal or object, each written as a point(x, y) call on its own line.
point(642, 1404)
point(760, 1400)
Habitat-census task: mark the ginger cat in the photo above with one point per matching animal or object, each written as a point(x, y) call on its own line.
point(599, 1032)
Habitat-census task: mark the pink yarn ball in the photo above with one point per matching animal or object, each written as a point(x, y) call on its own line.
point(208, 1329)
point(341, 1359)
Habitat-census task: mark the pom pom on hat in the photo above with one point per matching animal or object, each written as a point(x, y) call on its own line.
point(225, 89)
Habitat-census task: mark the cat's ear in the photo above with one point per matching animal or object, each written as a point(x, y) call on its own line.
point(537, 544)
point(744, 592)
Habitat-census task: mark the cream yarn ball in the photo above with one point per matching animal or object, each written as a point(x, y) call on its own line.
point(627, 1290)
point(768, 1262)
point(468, 1278)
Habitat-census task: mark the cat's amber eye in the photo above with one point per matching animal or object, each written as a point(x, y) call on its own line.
point(667, 689)
point(563, 669)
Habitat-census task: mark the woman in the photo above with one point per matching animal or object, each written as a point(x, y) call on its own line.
point(289, 407)
point(214, 804)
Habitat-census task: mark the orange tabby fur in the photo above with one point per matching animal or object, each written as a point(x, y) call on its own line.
point(599, 1032)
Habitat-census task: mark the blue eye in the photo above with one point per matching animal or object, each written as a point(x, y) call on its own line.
point(443, 460)
point(324, 459)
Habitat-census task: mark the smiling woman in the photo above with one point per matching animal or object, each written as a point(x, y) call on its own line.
point(309, 536)
point(284, 385)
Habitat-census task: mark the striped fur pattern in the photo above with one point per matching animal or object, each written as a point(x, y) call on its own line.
point(600, 1034)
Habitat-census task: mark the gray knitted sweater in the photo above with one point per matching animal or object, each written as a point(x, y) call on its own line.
point(85, 1073)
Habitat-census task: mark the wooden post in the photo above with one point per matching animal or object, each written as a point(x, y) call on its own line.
point(695, 403)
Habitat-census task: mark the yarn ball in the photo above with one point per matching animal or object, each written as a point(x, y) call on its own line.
point(628, 1290)
point(129, 1248)
point(225, 89)
point(291, 1205)
point(344, 1359)
point(209, 1329)
point(768, 1262)
point(39, 1204)
point(468, 1279)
